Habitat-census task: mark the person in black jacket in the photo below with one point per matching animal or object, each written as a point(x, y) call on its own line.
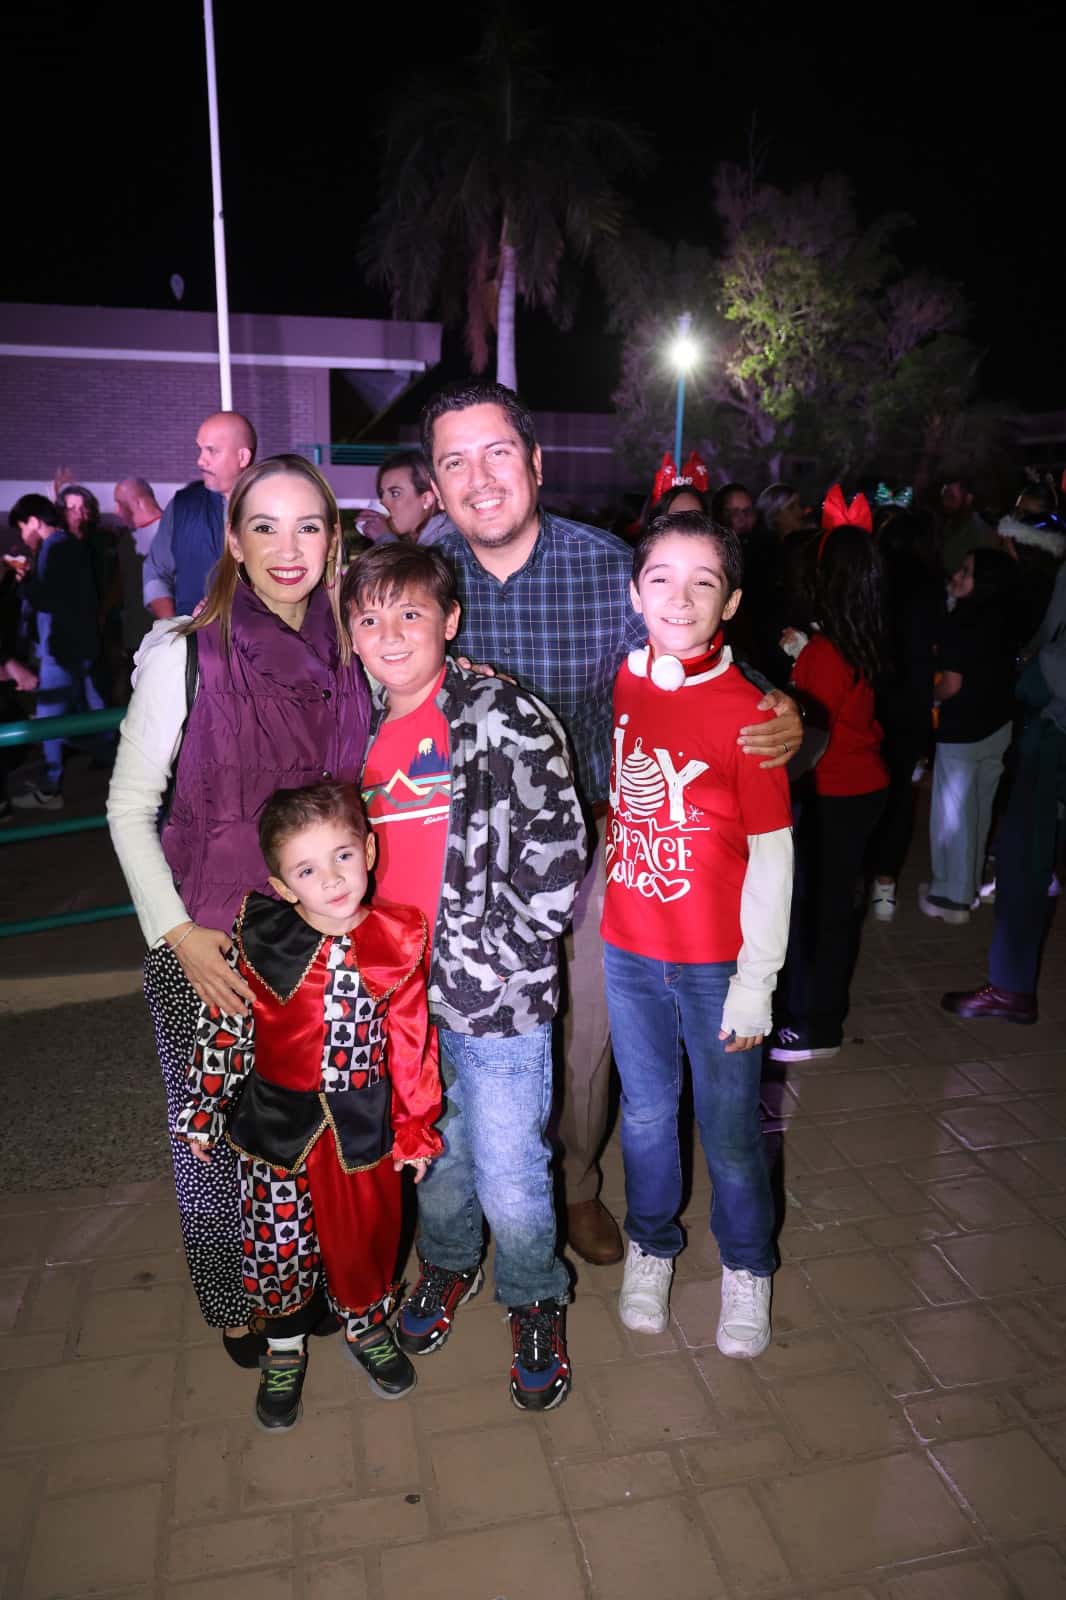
point(16, 675)
point(58, 586)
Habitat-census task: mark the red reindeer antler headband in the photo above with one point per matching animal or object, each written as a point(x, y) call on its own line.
point(837, 513)
point(694, 475)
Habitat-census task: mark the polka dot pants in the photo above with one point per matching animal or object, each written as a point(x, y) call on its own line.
point(209, 1197)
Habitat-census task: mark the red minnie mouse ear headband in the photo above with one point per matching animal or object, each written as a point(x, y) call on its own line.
point(694, 475)
point(837, 513)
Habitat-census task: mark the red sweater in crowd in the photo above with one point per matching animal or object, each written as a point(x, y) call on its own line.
point(851, 763)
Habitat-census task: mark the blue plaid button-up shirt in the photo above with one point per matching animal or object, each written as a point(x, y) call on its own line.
point(561, 625)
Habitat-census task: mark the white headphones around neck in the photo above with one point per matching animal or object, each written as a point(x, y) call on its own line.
point(667, 672)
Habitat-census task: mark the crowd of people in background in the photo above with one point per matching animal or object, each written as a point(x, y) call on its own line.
point(831, 650)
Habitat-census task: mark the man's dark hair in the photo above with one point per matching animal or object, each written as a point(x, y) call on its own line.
point(461, 396)
point(693, 525)
point(386, 572)
point(35, 505)
point(289, 811)
point(415, 463)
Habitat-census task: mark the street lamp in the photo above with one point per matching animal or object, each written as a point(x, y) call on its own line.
point(684, 352)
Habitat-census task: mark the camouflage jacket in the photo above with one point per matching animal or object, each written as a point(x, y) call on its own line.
point(516, 853)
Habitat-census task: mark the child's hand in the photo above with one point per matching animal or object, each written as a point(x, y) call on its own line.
point(420, 1165)
point(201, 1149)
point(748, 1042)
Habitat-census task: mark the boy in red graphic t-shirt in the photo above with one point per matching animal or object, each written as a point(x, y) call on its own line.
point(695, 926)
point(468, 786)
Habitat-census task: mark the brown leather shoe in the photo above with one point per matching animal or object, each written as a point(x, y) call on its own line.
point(988, 1001)
point(593, 1233)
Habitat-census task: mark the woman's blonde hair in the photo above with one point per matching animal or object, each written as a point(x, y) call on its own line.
point(218, 603)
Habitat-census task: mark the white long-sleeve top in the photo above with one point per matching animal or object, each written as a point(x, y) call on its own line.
point(765, 907)
point(149, 741)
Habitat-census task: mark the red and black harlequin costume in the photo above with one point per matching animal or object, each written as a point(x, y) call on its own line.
point(331, 1077)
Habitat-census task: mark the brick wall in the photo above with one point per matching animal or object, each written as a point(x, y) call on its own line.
point(106, 418)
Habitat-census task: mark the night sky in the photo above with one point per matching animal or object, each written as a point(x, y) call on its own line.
point(108, 187)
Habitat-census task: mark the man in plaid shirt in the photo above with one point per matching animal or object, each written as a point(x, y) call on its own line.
point(547, 601)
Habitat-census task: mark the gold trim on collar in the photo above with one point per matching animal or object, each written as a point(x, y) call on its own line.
point(283, 999)
point(387, 993)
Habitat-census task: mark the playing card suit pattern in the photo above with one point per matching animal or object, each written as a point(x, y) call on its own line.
point(354, 1049)
point(278, 1239)
point(279, 1242)
point(219, 1064)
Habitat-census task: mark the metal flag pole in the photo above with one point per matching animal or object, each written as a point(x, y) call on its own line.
point(225, 376)
point(683, 357)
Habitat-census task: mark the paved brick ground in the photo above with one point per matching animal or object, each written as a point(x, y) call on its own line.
point(904, 1438)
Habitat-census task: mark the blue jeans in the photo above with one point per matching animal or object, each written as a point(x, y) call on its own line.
point(659, 1009)
point(495, 1166)
point(61, 690)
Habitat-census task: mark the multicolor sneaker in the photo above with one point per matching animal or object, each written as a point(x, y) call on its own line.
point(425, 1319)
point(388, 1370)
point(540, 1367)
point(281, 1381)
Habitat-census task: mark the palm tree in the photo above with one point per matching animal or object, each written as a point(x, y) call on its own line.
point(494, 187)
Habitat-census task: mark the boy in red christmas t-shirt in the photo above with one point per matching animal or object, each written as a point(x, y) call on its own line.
point(695, 924)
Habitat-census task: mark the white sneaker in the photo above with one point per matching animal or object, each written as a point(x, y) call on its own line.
point(744, 1321)
point(38, 800)
point(644, 1298)
point(883, 901)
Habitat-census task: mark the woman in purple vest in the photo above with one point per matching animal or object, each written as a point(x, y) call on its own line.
point(277, 702)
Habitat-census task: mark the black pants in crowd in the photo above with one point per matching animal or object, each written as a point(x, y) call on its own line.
point(833, 834)
point(901, 751)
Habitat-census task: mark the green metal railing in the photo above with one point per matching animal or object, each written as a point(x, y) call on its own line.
point(71, 727)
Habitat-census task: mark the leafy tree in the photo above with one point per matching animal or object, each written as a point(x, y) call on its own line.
point(494, 188)
point(816, 343)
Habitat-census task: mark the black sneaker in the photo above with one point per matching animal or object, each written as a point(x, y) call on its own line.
point(796, 1044)
point(388, 1370)
point(281, 1381)
point(540, 1368)
point(38, 800)
point(425, 1319)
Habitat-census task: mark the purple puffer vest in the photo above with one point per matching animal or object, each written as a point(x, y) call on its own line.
point(278, 713)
